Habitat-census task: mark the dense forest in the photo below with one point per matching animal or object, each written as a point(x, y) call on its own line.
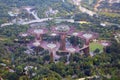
point(64, 8)
point(15, 64)
point(105, 65)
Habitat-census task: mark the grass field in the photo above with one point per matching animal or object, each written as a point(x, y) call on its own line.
point(95, 45)
point(113, 15)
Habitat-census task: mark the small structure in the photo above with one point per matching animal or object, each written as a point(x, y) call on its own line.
point(58, 42)
point(37, 46)
point(62, 30)
point(88, 36)
point(38, 33)
point(105, 44)
point(76, 36)
point(28, 8)
point(23, 34)
point(36, 43)
point(52, 47)
point(51, 12)
point(14, 12)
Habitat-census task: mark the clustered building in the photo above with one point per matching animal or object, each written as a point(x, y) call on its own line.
point(57, 40)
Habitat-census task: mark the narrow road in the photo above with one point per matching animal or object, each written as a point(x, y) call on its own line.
point(83, 9)
point(37, 19)
point(6, 24)
point(90, 77)
point(35, 15)
point(97, 5)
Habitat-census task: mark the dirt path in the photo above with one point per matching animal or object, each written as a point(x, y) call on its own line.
point(97, 5)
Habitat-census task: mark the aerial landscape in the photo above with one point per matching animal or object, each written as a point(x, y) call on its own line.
point(59, 39)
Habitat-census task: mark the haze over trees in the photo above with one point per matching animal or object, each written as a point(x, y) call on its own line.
point(15, 64)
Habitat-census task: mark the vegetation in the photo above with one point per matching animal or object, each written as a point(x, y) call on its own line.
point(95, 45)
point(41, 5)
point(106, 63)
point(113, 15)
point(15, 64)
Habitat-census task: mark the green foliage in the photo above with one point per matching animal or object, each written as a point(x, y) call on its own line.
point(10, 76)
point(78, 67)
point(41, 5)
point(112, 15)
point(23, 78)
point(94, 46)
